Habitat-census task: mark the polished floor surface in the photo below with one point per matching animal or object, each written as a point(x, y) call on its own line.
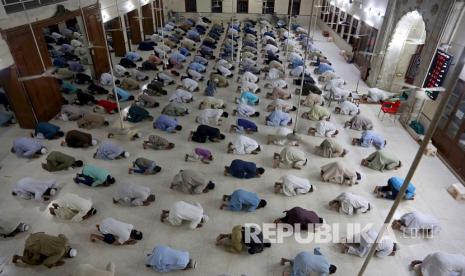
point(431, 179)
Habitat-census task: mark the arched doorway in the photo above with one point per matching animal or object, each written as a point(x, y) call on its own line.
point(408, 37)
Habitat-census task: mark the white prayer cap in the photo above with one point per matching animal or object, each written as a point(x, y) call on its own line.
point(94, 142)
point(64, 117)
point(43, 150)
point(126, 154)
point(205, 218)
point(72, 252)
point(53, 192)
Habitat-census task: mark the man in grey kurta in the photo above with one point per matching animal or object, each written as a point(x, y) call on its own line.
point(191, 182)
point(329, 148)
point(359, 122)
point(381, 160)
point(109, 150)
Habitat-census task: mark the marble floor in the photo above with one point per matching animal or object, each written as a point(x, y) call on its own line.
point(431, 179)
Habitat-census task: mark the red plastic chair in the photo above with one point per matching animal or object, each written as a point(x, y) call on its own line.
point(391, 108)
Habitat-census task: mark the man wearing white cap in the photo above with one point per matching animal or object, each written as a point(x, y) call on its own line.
point(135, 195)
point(30, 188)
point(28, 147)
point(323, 129)
point(248, 76)
point(48, 250)
point(58, 161)
point(182, 211)
point(11, 225)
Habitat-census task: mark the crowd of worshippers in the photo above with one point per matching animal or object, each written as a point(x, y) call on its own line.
point(198, 39)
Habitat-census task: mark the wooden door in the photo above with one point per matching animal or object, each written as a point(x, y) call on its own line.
point(159, 14)
point(117, 37)
point(96, 36)
point(43, 93)
point(449, 137)
point(19, 99)
point(147, 19)
point(134, 26)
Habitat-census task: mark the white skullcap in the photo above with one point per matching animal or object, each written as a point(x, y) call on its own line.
point(64, 117)
point(126, 154)
point(43, 150)
point(53, 192)
point(216, 80)
point(72, 253)
point(205, 218)
point(94, 142)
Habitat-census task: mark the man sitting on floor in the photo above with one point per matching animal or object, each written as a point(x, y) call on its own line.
point(166, 259)
point(39, 190)
point(369, 138)
point(330, 148)
point(306, 263)
point(243, 145)
point(301, 219)
point(157, 143)
point(392, 188)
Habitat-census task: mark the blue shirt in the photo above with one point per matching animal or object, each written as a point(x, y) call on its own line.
point(243, 169)
point(133, 56)
point(323, 67)
point(243, 199)
point(108, 151)
point(246, 124)
point(75, 66)
point(197, 67)
point(178, 57)
point(278, 118)
point(249, 98)
point(201, 60)
point(166, 259)
point(26, 147)
point(184, 51)
point(306, 262)
point(396, 182)
point(48, 130)
point(370, 137)
point(165, 123)
point(124, 95)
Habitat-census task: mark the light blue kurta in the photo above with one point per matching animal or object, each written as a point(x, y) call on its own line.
point(372, 138)
point(306, 263)
point(166, 259)
point(278, 118)
point(243, 199)
point(108, 151)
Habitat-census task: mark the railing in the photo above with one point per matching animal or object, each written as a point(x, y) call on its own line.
point(12, 6)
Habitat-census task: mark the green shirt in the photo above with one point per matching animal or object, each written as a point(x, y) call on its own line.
point(98, 174)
